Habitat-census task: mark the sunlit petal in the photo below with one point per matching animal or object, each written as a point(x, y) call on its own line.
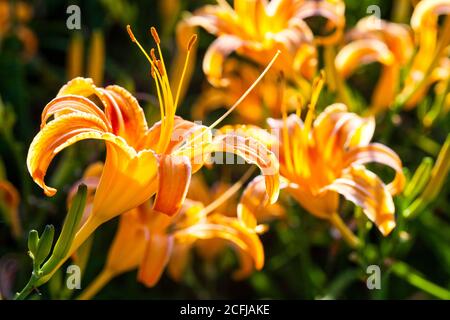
point(366, 190)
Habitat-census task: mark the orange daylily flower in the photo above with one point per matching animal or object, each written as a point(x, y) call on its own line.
point(13, 19)
point(323, 158)
point(213, 197)
point(433, 42)
point(257, 29)
point(9, 204)
point(376, 40)
point(261, 103)
point(140, 161)
point(152, 242)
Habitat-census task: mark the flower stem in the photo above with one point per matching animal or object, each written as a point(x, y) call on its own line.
point(407, 273)
point(346, 233)
point(95, 286)
point(28, 288)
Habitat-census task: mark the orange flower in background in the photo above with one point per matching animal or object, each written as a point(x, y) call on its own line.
point(376, 40)
point(140, 161)
point(323, 158)
point(257, 29)
point(218, 200)
point(9, 206)
point(433, 41)
point(151, 242)
point(13, 19)
point(261, 103)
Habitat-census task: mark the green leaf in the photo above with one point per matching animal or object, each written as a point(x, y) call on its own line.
point(419, 179)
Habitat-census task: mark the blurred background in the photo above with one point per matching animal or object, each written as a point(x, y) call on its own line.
point(304, 258)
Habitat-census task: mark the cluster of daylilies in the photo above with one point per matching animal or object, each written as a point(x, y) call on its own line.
point(269, 67)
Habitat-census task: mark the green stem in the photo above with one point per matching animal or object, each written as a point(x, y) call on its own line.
point(29, 287)
point(407, 273)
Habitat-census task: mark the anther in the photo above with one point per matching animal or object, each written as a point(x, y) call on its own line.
point(160, 67)
point(152, 54)
point(155, 35)
point(191, 42)
point(130, 33)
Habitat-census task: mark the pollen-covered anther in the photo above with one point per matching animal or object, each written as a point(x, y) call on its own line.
point(160, 67)
point(191, 42)
point(130, 33)
point(155, 35)
point(152, 54)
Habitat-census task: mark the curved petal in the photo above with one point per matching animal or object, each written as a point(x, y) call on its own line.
point(425, 11)
point(336, 129)
point(215, 56)
point(333, 11)
point(156, 256)
point(322, 205)
point(127, 109)
point(230, 229)
point(174, 175)
point(188, 139)
point(365, 51)
point(254, 152)
point(59, 134)
point(252, 207)
point(396, 36)
point(124, 115)
point(376, 152)
point(245, 265)
point(70, 103)
point(367, 191)
point(84, 87)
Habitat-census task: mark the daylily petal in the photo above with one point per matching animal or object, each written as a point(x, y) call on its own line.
point(124, 115)
point(174, 175)
point(333, 11)
point(70, 103)
point(82, 87)
point(426, 10)
point(376, 152)
point(179, 260)
point(335, 130)
point(322, 205)
point(156, 256)
point(128, 180)
point(397, 36)
point(219, 226)
point(128, 246)
point(360, 52)
point(245, 265)
point(58, 134)
point(188, 139)
point(252, 207)
point(126, 108)
point(217, 52)
point(366, 190)
point(254, 152)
